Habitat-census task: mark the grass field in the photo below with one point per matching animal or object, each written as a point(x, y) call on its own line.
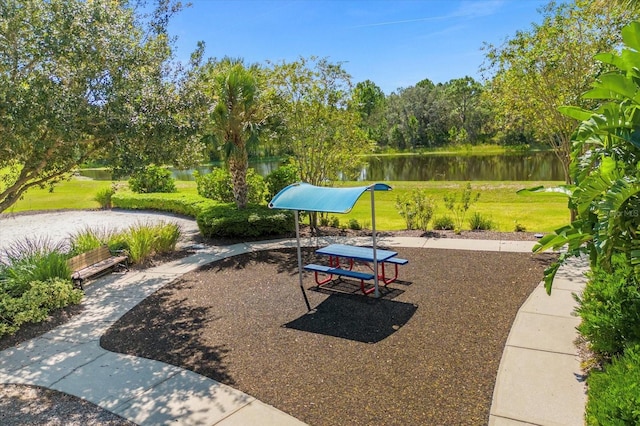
point(542, 212)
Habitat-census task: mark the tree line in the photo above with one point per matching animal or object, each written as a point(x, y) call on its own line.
point(98, 82)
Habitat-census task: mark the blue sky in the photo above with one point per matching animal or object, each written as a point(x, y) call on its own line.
point(392, 43)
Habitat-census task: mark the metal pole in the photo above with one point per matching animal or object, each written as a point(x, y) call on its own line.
point(373, 233)
point(304, 294)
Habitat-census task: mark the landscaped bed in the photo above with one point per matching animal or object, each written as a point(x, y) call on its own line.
point(426, 353)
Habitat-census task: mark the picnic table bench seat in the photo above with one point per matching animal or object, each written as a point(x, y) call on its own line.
point(329, 270)
point(93, 263)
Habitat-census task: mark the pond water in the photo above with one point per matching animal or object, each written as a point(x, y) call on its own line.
point(508, 167)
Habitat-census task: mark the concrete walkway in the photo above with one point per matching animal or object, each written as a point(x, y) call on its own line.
point(537, 383)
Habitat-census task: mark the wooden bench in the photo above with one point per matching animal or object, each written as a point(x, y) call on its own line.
point(93, 263)
point(362, 276)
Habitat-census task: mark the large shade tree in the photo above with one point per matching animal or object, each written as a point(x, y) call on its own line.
point(81, 80)
point(538, 70)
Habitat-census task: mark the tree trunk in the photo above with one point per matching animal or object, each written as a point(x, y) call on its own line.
point(238, 166)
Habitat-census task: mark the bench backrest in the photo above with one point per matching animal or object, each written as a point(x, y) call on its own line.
point(89, 258)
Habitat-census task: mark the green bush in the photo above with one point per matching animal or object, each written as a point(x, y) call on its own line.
point(519, 227)
point(218, 186)
point(184, 204)
point(416, 208)
point(458, 205)
point(280, 178)
point(478, 222)
point(354, 224)
point(334, 222)
point(225, 220)
point(35, 302)
point(443, 223)
point(610, 308)
point(140, 241)
point(614, 394)
point(31, 260)
point(103, 197)
point(152, 179)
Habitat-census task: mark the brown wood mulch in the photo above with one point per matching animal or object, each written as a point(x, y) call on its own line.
point(427, 352)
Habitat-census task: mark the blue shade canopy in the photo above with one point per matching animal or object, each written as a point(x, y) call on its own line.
point(303, 196)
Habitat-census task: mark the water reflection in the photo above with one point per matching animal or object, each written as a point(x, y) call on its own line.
point(508, 167)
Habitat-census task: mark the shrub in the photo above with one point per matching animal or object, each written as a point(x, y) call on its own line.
point(459, 206)
point(334, 222)
point(443, 223)
point(280, 178)
point(35, 302)
point(353, 224)
point(184, 204)
point(88, 239)
point(416, 208)
point(610, 308)
point(218, 186)
point(31, 260)
point(152, 179)
point(478, 222)
point(225, 220)
point(519, 227)
point(614, 396)
point(103, 197)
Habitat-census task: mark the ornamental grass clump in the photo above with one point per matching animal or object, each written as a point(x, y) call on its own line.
point(34, 280)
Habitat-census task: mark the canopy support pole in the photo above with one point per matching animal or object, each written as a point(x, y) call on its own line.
point(373, 234)
point(304, 294)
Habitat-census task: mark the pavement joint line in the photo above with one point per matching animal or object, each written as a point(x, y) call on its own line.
point(529, 348)
point(524, 311)
point(136, 395)
point(74, 370)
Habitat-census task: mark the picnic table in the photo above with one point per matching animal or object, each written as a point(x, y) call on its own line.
point(339, 253)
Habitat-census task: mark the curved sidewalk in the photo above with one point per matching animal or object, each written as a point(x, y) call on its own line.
point(536, 381)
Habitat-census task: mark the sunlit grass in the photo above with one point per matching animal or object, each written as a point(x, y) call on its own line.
point(541, 212)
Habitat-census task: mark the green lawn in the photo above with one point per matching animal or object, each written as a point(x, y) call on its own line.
point(498, 201)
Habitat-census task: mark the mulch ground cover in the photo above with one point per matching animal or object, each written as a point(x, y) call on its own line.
point(426, 352)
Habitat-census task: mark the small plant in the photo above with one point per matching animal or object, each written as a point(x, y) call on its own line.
point(334, 222)
point(478, 222)
point(354, 224)
point(444, 223)
point(103, 197)
point(459, 206)
point(613, 393)
point(152, 179)
point(416, 209)
point(324, 220)
point(519, 227)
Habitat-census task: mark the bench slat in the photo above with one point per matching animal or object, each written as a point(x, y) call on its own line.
point(397, 261)
point(339, 271)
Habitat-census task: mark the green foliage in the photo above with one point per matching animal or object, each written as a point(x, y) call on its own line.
point(85, 79)
point(280, 178)
point(610, 309)
point(34, 302)
point(141, 241)
point(443, 223)
point(103, 197)
point(416, 208)
point(184, 204)
point(605, 155)
point(218, 186)
point(226, 221)
point(519, 227)
point(152, 179)
point(354, 224)
point(30, 260)
point(459, 204)
point(479, 222)
point(614, 394)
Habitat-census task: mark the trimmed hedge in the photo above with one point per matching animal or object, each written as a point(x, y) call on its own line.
point(226, 221)
point(184, 204)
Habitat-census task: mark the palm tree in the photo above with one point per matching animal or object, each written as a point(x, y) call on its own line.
point(236, 120)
